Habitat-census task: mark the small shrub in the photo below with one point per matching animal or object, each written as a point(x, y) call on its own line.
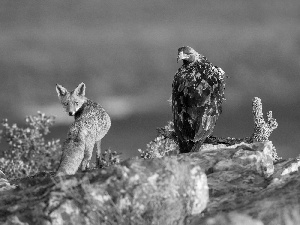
point(28, 152)
point(108, 158)
point(163, 144)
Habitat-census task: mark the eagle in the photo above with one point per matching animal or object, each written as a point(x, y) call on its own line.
point(197, 96)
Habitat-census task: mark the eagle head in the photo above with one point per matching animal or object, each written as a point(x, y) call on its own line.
point(187, 54)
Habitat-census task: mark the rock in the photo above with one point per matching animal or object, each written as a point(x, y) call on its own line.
point(157, 191)
point(233, 218)
point(286, 167)
point(245, 187)
point(256, 189)
point(2, 175)
point(4, 184)
point(254, 157)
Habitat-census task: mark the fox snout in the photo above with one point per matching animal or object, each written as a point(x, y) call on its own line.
point(72, 108)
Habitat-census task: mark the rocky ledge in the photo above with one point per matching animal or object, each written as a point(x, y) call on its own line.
point(220, 185)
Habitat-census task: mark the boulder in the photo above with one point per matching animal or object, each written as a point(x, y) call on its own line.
point(245, 187)
point(157, 191)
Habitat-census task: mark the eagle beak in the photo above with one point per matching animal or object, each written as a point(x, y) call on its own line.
point(181, 56)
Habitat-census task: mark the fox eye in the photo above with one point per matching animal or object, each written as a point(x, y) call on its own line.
point(76, 103)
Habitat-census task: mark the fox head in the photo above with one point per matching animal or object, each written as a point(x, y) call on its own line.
point(71, 100)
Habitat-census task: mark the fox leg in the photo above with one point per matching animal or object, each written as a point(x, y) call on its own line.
point(98, 153)
point(86, 162)
point(88, 152)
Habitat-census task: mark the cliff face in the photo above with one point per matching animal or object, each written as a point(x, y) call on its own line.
point(247, 188)
point(238, 184)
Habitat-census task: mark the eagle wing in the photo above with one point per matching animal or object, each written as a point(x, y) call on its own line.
point(197, 96)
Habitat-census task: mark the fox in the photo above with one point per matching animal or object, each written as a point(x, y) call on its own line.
point(91, 124)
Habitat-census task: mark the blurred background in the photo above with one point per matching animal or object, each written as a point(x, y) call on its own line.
point(125, 52)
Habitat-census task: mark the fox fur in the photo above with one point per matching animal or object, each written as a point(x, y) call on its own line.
point(90, 126)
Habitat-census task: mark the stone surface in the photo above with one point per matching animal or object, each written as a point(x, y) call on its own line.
point(157, 191)
point(2, 175)
point(286, 167)
point(267, 195)
point(4, 184)
point(255, 157)
point(233, 218)
point(245, 187)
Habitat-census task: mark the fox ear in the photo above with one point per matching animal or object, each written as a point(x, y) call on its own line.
point(61, 91)
point(80, 90)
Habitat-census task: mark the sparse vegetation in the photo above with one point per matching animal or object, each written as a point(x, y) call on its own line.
point(162, 145)
point(28, 152)
point(108, 158)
